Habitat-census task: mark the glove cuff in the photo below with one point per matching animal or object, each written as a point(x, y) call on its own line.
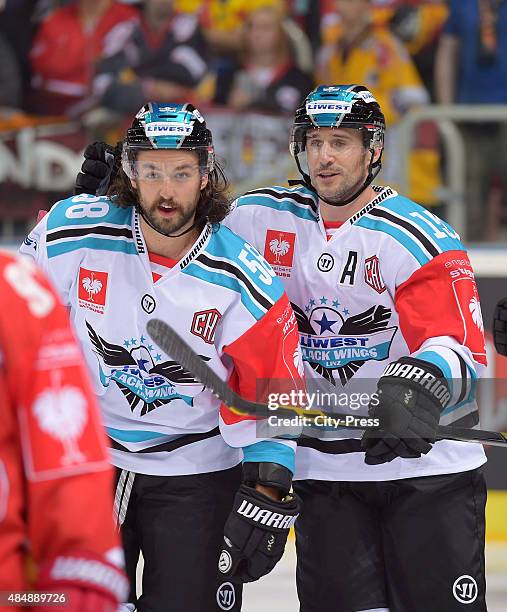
point(425, 376)
point(267, 474)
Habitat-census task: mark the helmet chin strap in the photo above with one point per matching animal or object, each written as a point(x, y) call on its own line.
point(372, 173)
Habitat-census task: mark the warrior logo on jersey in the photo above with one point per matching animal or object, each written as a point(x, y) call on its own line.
point(331, 340)
point(279, 251)
point(205, 323)
point(372, 274)
point(92, 290)
point(143, 378)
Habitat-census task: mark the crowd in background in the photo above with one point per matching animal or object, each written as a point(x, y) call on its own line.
point(98, 61)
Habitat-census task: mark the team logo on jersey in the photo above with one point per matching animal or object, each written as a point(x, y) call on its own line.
point(145, 380)
point(332, 341)
point(467, 301)
point(279, 251)
point(205, 323)
point(30, 242)
point(226, 596)
point(372, 274)
point(62, 413)
point(92, 290)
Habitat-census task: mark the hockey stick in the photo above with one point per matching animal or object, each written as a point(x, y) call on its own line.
point(172, 344)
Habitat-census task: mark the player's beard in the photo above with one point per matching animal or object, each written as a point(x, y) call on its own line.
point(178, 221)
point(348, 186)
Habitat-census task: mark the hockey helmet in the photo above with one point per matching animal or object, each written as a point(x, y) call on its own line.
point(168, 126)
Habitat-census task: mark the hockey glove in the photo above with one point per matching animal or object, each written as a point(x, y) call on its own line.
point(411, 396)
point(255, 534)
point(500, 327)
point(99, 168)
point(90, 583)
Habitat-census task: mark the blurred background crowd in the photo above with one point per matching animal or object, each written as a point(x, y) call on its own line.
point(77, 70)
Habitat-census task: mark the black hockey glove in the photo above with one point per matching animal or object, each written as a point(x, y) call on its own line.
point(500, 327)
point(411, 396)
point(98, 169)
point(255, 534)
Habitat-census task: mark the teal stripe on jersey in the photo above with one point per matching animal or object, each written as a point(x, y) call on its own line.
point(93, 213)
point(440, 362)
point(222, 280)
point(438, 230)
point(97, 244)
point(412, 245)
point(136, 435)
point(259, 199)
point(272, 452)
point(226, 244)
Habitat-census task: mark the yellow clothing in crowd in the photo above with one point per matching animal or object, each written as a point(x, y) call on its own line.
point(225, 15)
point(379, 61)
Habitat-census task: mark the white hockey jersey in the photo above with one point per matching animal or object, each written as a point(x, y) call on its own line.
point(393, 280)
point(222, 297)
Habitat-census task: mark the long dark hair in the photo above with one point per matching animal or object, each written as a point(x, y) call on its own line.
point(214, 202)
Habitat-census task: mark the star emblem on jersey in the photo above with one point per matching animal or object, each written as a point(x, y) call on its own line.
point(139, 372)
point(332, 341)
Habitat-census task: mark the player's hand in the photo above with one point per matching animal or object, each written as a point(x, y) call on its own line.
point(255, 534)
point(90, 583)
point(500, 327)
point(98, 169)
point(411, 396)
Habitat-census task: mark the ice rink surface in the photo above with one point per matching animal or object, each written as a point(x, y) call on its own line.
point(277, 591)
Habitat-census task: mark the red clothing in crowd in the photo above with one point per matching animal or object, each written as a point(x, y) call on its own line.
point(64, 55)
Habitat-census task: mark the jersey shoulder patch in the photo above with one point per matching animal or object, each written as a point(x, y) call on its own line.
point(229, 261)
point(298, 201)
point(417, 229)
point(86, 221)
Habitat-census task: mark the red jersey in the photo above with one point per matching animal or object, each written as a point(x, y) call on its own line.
point(55, 478)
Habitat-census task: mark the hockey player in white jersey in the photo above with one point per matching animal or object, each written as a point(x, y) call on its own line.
point(394, 521)
point(155, 248)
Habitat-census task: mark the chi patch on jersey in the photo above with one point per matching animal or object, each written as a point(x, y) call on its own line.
point(92, 290)
point(372, 275)
point(204, 324)
point(279, 251)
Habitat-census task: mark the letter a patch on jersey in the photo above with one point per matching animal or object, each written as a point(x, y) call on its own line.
point(92, 290)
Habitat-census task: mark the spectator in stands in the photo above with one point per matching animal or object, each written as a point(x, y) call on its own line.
point(18, 22)
point(222, 22)
point(10, 78)
point(164, 58)
point(66, 48)
point(364, 52)
point(419, 25)
point(267, 77)
point(471, 68)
